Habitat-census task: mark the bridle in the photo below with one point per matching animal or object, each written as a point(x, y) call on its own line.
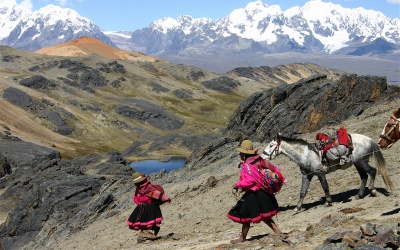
point(275, 150)
point(392, 126)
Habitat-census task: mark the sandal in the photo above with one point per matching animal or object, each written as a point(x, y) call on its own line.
point(283, 235)
point(147, 235)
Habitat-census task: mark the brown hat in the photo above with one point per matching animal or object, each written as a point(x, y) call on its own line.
point(138, 177)
point(246, 147)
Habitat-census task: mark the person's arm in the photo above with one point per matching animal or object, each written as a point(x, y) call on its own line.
point(246, 180)
point(136, 198)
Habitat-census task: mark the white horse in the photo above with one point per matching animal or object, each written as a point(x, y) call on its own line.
point(309, 160)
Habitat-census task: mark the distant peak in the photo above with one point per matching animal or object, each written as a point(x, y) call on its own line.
point(85, 39)
point(7, 3)
point(13, 4)
point(87, 45)
point(255, 4)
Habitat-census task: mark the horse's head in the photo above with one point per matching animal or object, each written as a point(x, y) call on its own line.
point(272, 150)
point(391, 132)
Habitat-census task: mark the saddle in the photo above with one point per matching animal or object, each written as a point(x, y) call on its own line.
point(335, 148)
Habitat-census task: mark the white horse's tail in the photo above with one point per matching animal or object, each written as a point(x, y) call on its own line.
point(382, 170)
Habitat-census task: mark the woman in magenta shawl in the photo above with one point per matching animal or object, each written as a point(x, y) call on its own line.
point(256, 204)
point(147, 215)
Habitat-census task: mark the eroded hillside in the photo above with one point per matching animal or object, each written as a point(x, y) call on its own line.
point(93, 104)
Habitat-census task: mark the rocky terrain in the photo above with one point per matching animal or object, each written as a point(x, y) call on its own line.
point(108, 99)
point(48, 202)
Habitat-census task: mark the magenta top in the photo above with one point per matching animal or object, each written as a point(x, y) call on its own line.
point(252, 170)
point(140, 196)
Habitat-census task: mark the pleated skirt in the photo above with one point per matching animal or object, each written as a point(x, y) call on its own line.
point(254, 206)
point(145, 216)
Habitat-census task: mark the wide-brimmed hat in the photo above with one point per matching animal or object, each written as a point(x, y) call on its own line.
point(138, 177)
point(246, 147)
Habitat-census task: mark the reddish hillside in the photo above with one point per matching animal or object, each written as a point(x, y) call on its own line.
point(88, 45)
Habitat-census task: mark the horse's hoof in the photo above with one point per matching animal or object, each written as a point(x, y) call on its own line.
point(356, 197)
point(374, 193)
point(327, 204)
point(298, 209)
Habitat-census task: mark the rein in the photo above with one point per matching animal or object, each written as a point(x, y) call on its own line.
point(392, 126)
point(275, 150)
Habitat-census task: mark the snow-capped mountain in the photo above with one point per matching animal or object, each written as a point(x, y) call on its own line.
point(257, 29)
point(317, 27)
point(121, 38)
point(47, 26)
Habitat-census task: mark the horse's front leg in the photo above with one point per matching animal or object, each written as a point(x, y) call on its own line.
point(305, 183)
point(325, 187)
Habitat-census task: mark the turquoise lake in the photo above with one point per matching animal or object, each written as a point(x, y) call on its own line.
point(152, 166)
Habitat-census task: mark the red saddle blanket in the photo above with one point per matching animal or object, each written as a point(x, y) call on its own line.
point(342, 137)
point(326, 142)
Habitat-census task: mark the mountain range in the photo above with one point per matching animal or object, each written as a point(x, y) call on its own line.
point(316, 28)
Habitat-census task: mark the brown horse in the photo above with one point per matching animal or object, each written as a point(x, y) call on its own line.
point(391, 131)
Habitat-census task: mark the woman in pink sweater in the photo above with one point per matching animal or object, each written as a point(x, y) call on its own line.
point(256, 204)
point(147, 215)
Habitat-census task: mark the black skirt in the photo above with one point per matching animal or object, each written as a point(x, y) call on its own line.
point(145, 216)
point(254, 206)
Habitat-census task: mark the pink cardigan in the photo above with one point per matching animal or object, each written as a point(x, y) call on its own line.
point(138, 198)
point(250, 174)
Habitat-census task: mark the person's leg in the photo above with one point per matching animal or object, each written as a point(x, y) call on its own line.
point(245, 230)
point(273, 226)
point(156, 230)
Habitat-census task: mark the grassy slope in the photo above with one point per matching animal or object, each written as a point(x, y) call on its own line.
point(101, 131)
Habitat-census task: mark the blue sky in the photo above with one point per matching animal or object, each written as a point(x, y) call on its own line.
point(130, 15)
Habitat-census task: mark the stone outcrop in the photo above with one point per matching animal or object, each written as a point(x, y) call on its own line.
point(307, 105)
point(222, 84)
point(43, 109)
point(155, 115)
point(37, 82)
